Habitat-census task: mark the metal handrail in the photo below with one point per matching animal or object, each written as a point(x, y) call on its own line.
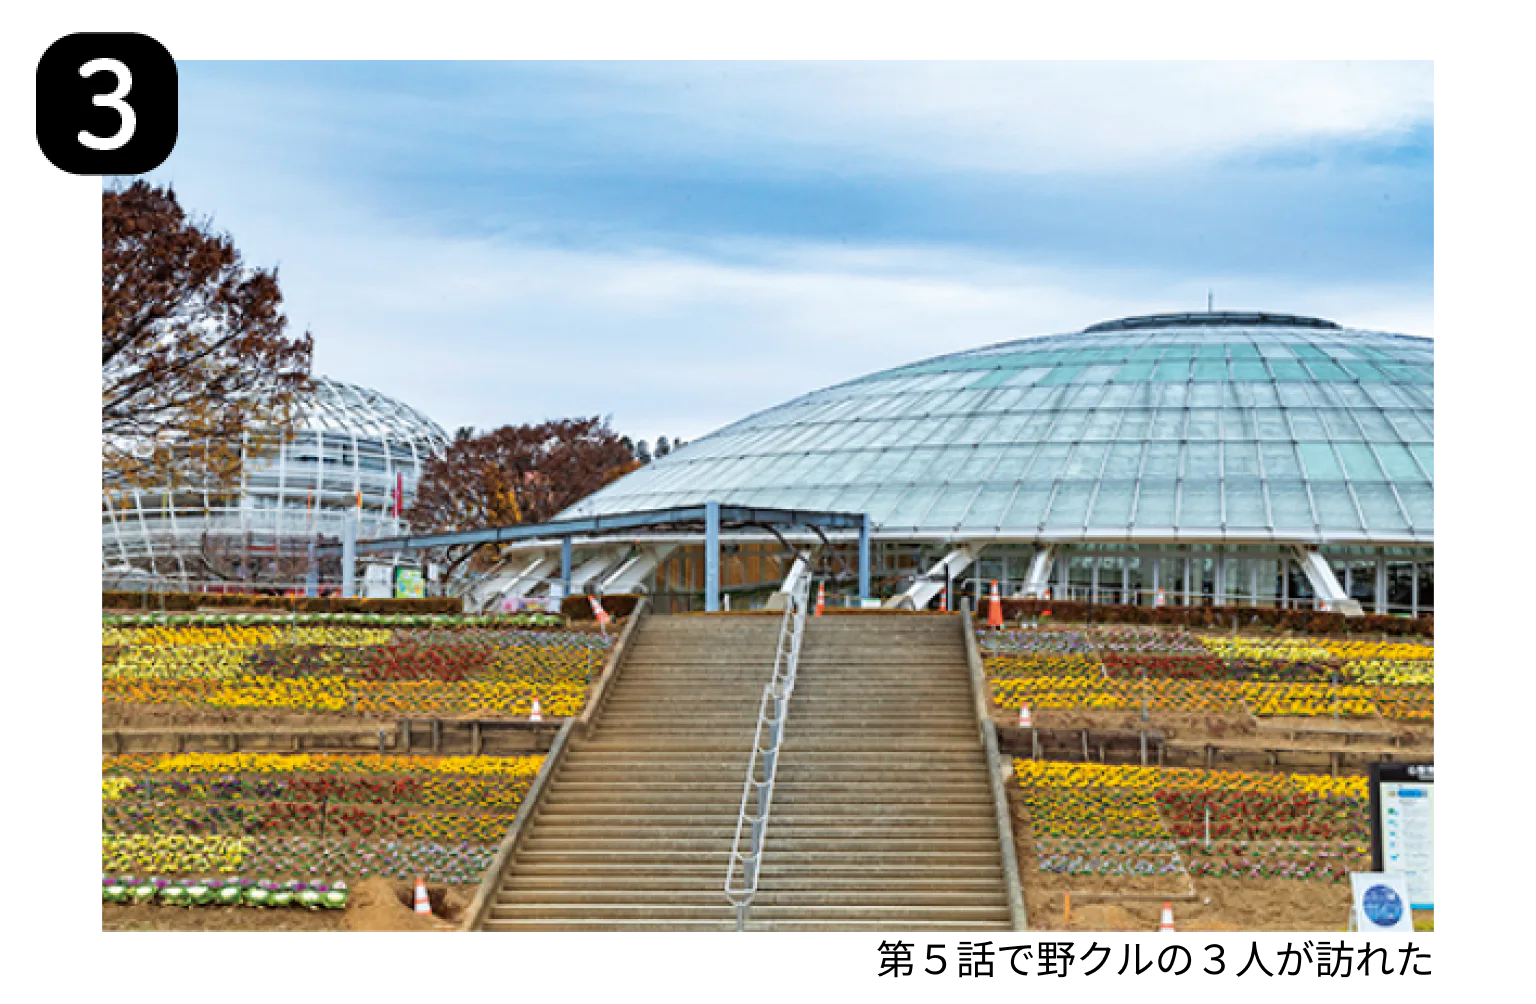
point(771, 714)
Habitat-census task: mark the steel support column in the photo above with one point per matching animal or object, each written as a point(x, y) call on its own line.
point(565, 565)
point(711, 556)
point(864, 558)
point(349, 556)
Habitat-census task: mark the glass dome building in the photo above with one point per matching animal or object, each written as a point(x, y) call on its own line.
point(1209, 457)
point(353, 451)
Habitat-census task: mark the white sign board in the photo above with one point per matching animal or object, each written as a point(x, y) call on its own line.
point(1381, 902)
point(1403, 826)
point(378, 582)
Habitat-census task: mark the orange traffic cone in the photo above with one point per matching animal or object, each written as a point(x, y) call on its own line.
point(1025, 722)
point(1161, 599)
point(995, 608)
point(944, 598)
point(1166, 923)
point(423, 904)
point(537, 714)
point(821, 598)
point(1047, 611)
point(598, 612)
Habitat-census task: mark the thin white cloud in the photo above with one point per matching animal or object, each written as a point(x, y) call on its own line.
point(1018, 117)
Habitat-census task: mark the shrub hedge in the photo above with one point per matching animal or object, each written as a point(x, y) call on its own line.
point(1307, 621)
point(111, 600)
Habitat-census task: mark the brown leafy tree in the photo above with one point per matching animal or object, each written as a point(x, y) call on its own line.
point(517, 474)
point(193, 346)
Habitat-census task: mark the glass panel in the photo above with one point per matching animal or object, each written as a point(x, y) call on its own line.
point(1207, 395)
point(950, 506)
point(1426, 454)
point(1426, 587)
point(1289, 506)
point(1087, 460)
point(1320, 462)
point(1048, 462)
point(1240, 459)
point(1359, 464)
point(1280, 460)
point(1340, 425)
point(1136, 372)
point(1162, 461)
point(1134, 425)
point(1335, 509)
point(1200, 505)
point(1013, 463)
point(948, 465)
point(1399, 587)
point(876, 472)
point(1028, 504)
point(1245, 503)
point(1249, 372)
point(1203, 424)
point(1069, 426)
point(1420, 503)
point(1237, 423)
point(1327, 371)
point(882, 502)
point(1124, 461)
point(1112, 506)
point(1289, 372)
point(1007, 430)
point(1411, 427)
point(1101, 425)
point(912, 467)
point(1070, 505)
point(1171, 371)
point(1398, 462)
point(994, 379)
point(854, 499)
point(1307, 425)
point(987, 510)
point(1171, 395)
point(1202, 459)
point(912, 507)
point(1155, 504)
point(1096, 374)
point(1029, 376)
point(1381, 512)
point(1060, 375)
point(978, 466)
point(1362, 583)
point(1214, 371)
point(1169, 424)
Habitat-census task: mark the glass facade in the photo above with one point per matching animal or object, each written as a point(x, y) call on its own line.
point(351, 448)
point(1223, 427)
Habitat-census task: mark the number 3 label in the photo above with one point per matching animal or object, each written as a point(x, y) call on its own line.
point(126, 119)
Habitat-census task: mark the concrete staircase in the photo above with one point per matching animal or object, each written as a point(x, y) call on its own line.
point(882, 817)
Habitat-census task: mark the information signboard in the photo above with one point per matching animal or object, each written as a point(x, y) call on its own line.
point(1403, 826)
point(409, 584)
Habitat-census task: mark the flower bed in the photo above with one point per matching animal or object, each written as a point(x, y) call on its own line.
point(353, 670)
point(1089, 819)
point(1112, 668)
point(307, 815)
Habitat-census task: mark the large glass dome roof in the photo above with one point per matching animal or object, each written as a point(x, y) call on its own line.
point(1218, 426)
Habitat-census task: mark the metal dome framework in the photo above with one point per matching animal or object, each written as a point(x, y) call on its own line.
point(350, 449)
point(1241, 441)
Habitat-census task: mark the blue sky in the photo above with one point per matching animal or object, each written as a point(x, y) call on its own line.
point(679, 244)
